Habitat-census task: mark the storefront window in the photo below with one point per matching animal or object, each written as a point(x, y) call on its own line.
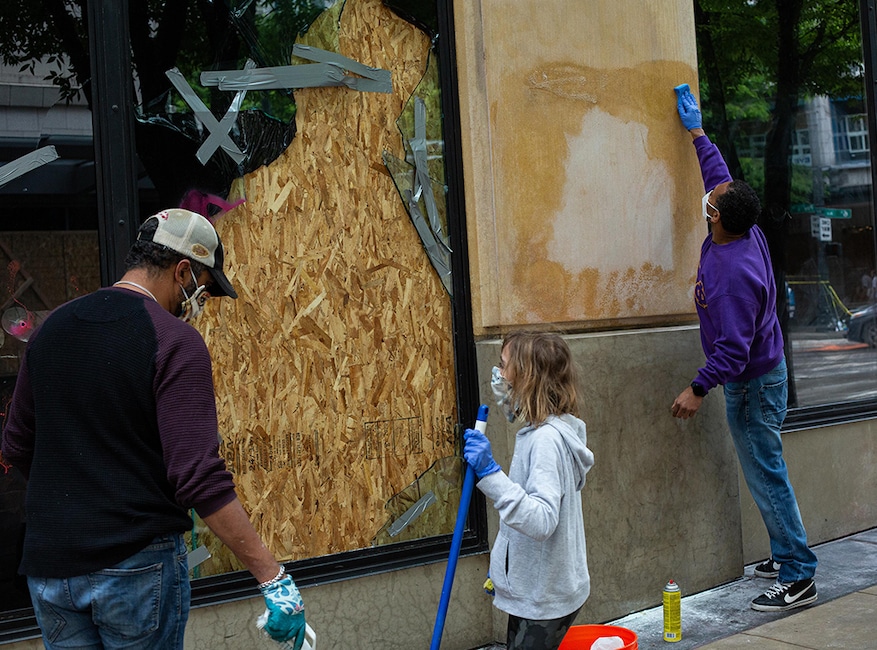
point(334, 370)
point(311, 134)
point(48, 241)
point(791, 120)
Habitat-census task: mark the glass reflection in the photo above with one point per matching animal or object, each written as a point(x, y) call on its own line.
point(48, 234)
point(792, 122)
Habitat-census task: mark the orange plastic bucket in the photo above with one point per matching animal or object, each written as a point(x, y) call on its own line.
point(580, 637)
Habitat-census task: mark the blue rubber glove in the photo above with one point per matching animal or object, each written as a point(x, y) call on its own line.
point(286, 612)
point(476, 451)
point(686, 105)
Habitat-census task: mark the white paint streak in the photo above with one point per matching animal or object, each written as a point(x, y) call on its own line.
point(616, 213)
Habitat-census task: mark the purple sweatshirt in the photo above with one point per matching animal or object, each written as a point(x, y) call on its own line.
point(735, 295)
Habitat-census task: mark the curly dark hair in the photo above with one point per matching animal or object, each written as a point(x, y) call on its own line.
point(156, 257)
point(739, 207)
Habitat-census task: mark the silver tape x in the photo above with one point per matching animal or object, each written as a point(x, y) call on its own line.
point(219, 130)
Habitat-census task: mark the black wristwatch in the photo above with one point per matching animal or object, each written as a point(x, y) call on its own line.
point(697, 389)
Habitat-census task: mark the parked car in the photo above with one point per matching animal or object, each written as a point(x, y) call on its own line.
point(863, 325)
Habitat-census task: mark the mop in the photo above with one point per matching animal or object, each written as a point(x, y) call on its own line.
point(457, 539)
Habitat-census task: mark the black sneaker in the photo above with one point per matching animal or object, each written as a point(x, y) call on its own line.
point(768, 569)
point(786, 595)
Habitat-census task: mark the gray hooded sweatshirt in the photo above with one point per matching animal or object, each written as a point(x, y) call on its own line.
point(539, 561)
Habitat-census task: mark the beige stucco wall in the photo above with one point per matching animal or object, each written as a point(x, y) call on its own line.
point(583, 185)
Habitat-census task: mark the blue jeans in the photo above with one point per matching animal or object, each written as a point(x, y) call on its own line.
point(756, 409)
point(142, 603)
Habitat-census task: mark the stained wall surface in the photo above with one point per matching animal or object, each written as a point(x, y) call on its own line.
point(834, 473)
point(585, 185)
point(662, 500)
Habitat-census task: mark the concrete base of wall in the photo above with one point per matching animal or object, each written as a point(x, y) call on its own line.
point(662, 501)
point(390, 611)
point(834, 473)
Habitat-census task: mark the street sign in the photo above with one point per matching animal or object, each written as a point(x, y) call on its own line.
point(824, 229)
point(820, 228)
point(835, 213)
point(829, 213)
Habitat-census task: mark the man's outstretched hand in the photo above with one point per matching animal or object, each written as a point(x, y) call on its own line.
point(687, 107)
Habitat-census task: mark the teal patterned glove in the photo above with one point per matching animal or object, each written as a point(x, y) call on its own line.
point(286, 612)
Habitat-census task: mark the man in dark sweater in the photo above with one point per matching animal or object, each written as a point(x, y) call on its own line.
point(735, 296)
point(113, 422)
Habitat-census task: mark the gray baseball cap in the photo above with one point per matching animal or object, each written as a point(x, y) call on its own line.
point(192, 235)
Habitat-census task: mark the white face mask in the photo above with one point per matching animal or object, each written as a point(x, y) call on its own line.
point(193, 305)
point(502, 392)
point(705, 201)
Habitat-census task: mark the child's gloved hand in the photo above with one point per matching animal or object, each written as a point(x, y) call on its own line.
point(488, 586)
point(686, 106)
point(476, 451)
point(286, 612)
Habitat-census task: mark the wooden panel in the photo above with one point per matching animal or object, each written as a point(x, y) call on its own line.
point(586, 203)
point(334, 368)
point(42, 271)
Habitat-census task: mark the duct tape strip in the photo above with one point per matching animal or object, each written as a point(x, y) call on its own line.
point(328, 71)
point(206, 118)
point(323, 56)
point(306, 75)
point(438, 256)
point(411, 514)
point(27, 163)
point(214, 140)
point(422, 181)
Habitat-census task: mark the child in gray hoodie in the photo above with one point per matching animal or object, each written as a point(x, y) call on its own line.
point(538, 564)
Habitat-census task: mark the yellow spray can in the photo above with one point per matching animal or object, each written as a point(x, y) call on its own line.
point(672, 612)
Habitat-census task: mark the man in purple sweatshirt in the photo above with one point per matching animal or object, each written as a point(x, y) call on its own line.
point(735, 297)
point(113, 422)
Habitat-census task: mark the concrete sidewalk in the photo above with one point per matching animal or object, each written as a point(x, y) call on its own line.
point(844, 617)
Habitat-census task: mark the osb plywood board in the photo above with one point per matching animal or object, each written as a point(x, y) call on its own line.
point(41, 271)
point(334, 368)
point(582, 187)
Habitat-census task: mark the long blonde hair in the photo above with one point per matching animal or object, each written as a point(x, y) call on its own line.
point(544, 378)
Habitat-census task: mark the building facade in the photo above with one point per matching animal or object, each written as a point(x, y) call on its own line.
point(448, 173)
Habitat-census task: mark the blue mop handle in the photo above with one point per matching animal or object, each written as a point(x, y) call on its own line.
point(457, 539)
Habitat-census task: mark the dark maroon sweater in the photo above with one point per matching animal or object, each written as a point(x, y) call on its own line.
point(113, 421)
